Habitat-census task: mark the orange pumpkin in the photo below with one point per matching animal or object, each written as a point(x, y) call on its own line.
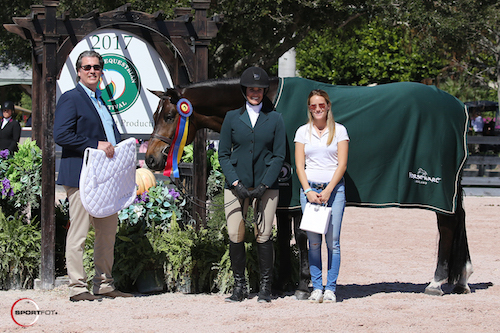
point(144, 179)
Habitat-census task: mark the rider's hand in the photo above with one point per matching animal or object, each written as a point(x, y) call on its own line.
point(258, 191)
point(241, 191)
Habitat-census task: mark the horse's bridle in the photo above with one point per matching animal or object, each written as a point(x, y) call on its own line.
point(162, 138)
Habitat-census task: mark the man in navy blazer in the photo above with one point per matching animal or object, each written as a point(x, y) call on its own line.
point(10, 130)
point(83, 120)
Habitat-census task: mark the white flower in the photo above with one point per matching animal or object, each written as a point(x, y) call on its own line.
point(138, 210)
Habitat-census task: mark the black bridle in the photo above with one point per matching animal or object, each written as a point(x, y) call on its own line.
point(162, 138)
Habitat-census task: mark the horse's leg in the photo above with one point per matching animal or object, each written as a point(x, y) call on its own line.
point(461, 267)
point(302, 292)
point(454, 264)
point(445, 227)
point(284, 224)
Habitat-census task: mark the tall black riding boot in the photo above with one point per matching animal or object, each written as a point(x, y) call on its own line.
point(238, 263)
point(266, 262)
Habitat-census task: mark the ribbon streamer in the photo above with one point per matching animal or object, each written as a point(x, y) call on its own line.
point(185, 109)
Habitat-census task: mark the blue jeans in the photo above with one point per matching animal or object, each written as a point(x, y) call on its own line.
point(332, 237)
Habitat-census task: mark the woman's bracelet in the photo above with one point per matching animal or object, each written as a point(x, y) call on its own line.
point(308, 190)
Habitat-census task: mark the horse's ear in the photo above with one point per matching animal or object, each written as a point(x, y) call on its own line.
point(159, 94)
point(175, 96)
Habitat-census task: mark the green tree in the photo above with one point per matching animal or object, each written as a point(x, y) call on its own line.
point(258, 32)
point(15, 50)
point(255, 32)
point(364, 53)
point(467, 32)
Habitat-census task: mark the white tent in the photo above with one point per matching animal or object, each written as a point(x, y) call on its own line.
point(15, 75)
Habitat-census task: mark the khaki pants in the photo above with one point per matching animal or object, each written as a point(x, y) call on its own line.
point(236, 212)
point(105, 232)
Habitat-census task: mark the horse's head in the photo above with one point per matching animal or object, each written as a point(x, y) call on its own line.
point(165, 124)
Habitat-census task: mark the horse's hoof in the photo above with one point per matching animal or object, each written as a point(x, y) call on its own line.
point(461, 289)
point(434, 291)
point(302, 295)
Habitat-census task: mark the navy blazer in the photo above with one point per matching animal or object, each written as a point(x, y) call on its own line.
point(10, 135)
point(252, 155)
point(77, 125)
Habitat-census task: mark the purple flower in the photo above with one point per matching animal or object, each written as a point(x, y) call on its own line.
point(211, 145)
point(174, 193)
point(6, 188)
point(144, 197)
point(4, 153)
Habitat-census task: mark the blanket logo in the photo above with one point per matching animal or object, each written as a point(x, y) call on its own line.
point(120, 83)
point(421, 177)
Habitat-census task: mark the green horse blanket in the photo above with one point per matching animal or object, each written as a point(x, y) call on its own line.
point(407, 142)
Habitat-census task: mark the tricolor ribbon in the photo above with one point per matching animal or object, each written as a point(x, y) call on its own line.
point(185, 109)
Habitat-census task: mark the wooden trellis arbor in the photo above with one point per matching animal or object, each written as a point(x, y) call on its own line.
point(182, 43)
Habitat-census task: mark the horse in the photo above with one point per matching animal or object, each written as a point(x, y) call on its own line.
point(212, 99)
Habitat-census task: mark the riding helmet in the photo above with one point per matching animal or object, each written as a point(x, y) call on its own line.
point(8, 105)
point(254, 77)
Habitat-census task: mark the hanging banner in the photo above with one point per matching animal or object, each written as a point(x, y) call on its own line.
point(131, 67)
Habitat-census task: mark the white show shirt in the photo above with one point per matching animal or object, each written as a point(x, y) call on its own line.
point(253, 112)
point(321, 160)
point(5, 121)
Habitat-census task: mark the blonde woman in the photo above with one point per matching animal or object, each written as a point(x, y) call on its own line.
point(321, 149)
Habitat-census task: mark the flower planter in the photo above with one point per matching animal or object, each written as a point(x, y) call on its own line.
point(151, 281)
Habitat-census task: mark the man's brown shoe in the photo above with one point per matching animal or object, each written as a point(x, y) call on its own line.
point(115, 293)
point(86, 296)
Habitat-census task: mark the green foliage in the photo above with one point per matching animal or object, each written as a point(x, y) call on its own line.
point(20, 249)
point(215, 183)
point(176, 245)
point(155, 207)
point(465, 91)
point(88, 256)
point(62, 225)
point(15, 50)
point(23, 171)
point(364, 53)
point(133, 254)
point(259, 32)
point(465, 33)
point(187, 156)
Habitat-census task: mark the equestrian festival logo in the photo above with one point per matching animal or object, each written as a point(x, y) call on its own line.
point(120, 83)
point(25, 312)
point(421, 177)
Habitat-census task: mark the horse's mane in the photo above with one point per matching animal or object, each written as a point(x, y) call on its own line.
point(211, 83)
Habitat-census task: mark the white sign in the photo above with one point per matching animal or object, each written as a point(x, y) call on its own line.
point(131, 67)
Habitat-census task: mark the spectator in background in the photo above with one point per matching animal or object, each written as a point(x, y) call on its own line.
point(477, 123)
point(10, 131)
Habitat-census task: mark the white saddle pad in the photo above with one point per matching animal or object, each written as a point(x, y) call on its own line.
point(107, 185)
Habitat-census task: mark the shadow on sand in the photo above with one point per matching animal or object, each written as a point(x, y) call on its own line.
point(348, 291)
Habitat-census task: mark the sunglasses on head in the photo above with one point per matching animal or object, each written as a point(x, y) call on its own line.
point(88, 67)
point(312, 107)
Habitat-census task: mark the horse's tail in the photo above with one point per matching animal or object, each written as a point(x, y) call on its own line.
point(460, 248)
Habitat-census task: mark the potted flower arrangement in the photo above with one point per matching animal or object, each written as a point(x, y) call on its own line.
point(139, 250)
point(20, 190)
